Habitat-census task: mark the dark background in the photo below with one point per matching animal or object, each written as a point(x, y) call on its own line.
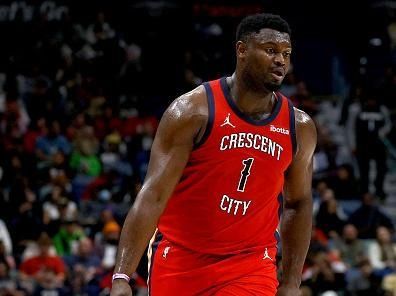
point(329, 37)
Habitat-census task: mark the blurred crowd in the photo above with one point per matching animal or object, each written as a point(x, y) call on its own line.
point(353, 245)
point(76, 130)
point(75, 143)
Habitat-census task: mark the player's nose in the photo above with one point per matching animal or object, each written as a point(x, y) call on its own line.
point(279, 60)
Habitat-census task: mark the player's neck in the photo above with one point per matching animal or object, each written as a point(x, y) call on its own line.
point(258, 105)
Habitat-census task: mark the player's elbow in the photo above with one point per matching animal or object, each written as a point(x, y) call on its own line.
point(150, 197)
point(303, 202)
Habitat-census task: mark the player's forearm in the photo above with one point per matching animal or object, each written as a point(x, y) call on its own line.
point(296, 230)
point(139, 226)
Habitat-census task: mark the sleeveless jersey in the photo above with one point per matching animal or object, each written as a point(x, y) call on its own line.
point(229, 197)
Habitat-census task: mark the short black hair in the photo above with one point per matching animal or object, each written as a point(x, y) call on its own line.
point(254, 23)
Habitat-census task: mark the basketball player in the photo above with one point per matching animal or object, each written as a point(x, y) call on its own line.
point(227, 158)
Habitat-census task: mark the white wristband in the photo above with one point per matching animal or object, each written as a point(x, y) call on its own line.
point(121, 276)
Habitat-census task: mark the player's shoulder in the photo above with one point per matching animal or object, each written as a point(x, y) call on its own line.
point(306, 134)
point(304, 121)
point(192, 99)
point(190, 106)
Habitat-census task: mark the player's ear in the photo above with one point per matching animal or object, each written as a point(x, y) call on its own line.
point(241, 48)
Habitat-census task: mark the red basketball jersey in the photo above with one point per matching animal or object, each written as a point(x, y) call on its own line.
point(229, 197)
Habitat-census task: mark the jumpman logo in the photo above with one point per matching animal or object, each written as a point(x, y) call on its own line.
point(227, 121)
point(266, 256)
point(166, 251)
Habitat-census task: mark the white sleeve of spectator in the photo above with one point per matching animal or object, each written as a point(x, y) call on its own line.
point(5, 237)
point(374, 255)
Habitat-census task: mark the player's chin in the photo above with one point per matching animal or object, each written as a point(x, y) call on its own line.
point(273, 86)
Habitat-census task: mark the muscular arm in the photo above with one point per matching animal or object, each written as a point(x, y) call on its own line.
point(180, 125)
point(296, 222)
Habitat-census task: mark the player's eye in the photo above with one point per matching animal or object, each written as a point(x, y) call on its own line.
point(286, 54)
point(270, 50)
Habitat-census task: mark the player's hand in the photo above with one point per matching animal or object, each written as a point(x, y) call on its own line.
point(121, 288)
point(288, 291)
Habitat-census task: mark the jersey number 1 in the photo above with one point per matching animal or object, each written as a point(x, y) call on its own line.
point(245, 173)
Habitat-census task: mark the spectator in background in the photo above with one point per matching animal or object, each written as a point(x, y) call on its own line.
point(44, 267)
point(327, 218)
point(349, 247)
point(368, 217)
point(47, 284)
point(50, 205)
point(368, 125)
point(14, 169)
point(84, 161)
point(324, 276)
point(36, 129)
point(84, 140)
point(382, 253)
point(106, 215)
point(324, 158)
point(344, 183)
point(100, 29)
point(350, 102)
point(60, 172)
point(318, 192)
point(14, 112)
point(319, 241)
point(114, 155)
point(389, 284)
point(26, 214)
point(43, 99)
point(108, 122)
point(8, 284)
point(56, 177)
point(323, 195)
point(131, 71)
point(58, 207)
point(363, 282)
point(11, 133)
point(83, 267)
point(76, 127)
point(142, 157)
point(68, 210)
point(67, 237)
point(84, 258)
point(303, 99)
point(111, 235)
point(48, 145)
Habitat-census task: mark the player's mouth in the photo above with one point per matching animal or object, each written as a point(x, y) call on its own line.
point(277, 74)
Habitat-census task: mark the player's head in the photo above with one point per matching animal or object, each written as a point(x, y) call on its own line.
point(263, 49)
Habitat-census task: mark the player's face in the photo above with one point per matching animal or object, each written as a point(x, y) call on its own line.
point(267, 58)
